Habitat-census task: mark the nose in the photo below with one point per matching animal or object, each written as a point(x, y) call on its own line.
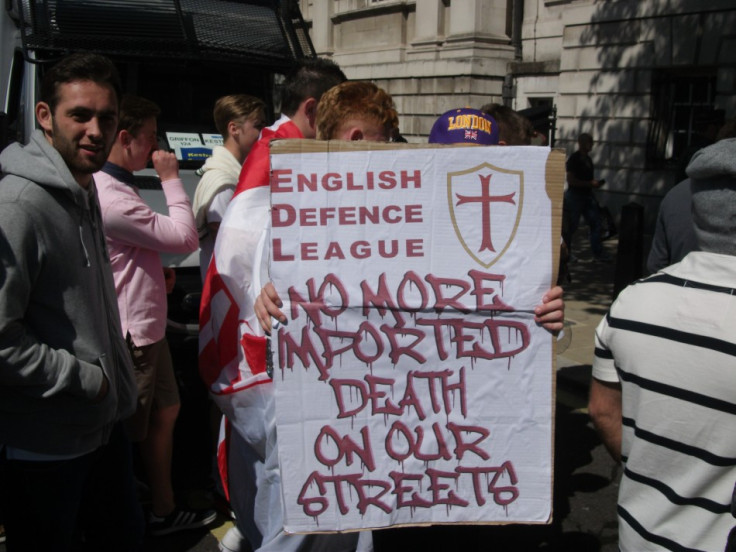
point(94, 128)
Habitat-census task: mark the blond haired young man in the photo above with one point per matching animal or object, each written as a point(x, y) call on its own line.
point(239, 118)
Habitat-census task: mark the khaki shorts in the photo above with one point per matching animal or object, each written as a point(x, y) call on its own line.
point(157, 388)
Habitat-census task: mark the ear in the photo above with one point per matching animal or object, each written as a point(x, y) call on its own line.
point(310, 110)
point(355, 134)
point(125, 138)
point(232, 130)
point(45, 117)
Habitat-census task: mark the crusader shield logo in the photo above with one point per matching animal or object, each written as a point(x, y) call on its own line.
point(485, 205)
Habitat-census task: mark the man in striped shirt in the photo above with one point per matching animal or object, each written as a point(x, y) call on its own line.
point(663, 395)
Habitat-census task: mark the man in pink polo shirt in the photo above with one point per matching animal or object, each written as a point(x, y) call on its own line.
point(135, 236)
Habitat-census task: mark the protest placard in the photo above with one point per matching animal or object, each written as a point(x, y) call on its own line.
point(412, 384)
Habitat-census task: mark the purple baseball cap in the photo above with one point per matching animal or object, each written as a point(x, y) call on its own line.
point(464, 126)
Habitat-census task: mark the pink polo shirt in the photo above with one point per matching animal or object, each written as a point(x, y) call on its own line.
point(135, 236)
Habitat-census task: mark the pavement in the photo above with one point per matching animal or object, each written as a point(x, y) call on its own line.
point(585, 479)
point(588, 294)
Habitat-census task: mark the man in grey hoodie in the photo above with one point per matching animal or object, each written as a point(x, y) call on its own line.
point(65, 374)
point(663, 395)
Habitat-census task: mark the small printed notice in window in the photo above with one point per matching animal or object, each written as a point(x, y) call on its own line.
point(188, 146)
point(212, 140)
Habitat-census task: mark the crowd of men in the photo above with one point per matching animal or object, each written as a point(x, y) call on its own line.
point(86, 369)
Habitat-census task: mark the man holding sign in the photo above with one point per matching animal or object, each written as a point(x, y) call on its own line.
point(230, 339)
point(406, 358)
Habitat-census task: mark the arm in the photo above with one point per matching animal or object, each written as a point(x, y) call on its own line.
point(605, 399)
point(575, 182)
point(604, 406)
point(33, 368)
point(129, 220)
point(268, 304)
point(551, 313)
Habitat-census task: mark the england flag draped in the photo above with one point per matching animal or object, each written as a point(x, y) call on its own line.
point(232, 346)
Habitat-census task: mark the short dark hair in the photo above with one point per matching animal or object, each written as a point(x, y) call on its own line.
point(134, 112)
point(238, 108)
point(310, 79)
point(513, 129)
point(79, 67)
point(585, 138)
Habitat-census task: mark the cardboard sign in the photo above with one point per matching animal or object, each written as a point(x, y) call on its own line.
point(412, 384)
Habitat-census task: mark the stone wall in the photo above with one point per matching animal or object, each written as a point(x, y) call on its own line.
point(595, 60)
point(606, 55)
point(430, 55)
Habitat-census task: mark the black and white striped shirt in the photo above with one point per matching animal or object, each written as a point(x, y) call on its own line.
point(671, 342)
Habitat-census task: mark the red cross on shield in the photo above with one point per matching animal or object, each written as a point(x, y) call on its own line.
point(485, 205)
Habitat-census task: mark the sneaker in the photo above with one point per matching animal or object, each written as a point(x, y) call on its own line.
point(232, 541)
point(179, 520)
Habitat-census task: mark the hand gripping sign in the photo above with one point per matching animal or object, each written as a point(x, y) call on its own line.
point(412, 384)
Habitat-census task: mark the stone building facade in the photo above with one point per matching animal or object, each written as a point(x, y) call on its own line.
point(644, 77)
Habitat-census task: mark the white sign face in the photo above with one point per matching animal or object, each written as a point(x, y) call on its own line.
point(412, 384)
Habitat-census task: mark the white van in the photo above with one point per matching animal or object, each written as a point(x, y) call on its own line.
point(182, 54)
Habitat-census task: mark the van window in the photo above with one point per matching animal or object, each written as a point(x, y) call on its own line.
point(12, 126)
point(186, 91)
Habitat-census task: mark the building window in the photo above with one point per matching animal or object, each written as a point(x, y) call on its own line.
point(683, 112)
point(540, 102)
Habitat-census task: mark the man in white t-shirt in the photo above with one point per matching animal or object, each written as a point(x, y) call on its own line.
point(663, 395)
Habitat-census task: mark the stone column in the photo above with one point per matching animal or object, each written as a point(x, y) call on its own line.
point(428, 26)
point(478, 20)
point(322, 11)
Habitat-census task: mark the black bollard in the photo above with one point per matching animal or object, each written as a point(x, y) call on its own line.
point(629, 259)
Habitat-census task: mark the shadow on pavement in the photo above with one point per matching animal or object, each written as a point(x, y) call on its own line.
point(591, 281)
point(584, 506)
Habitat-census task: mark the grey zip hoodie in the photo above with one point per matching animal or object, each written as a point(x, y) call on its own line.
point(59, 322)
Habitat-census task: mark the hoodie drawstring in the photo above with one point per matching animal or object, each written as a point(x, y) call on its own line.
point(84, 247)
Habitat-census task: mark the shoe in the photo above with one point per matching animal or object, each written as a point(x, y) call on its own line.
point(232, 541)
point(179, 520)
